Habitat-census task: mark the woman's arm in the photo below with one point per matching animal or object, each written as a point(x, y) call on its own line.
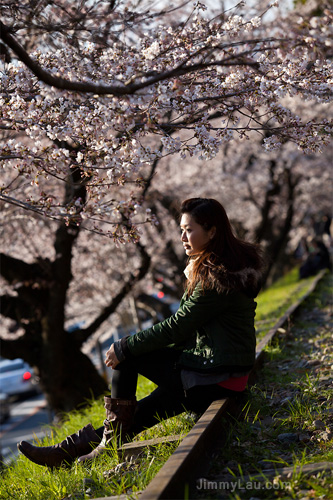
point(197, 310)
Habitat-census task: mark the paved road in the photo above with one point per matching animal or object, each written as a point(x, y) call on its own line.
point(27, 421)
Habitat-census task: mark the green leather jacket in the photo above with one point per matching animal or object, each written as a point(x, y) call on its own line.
point(215, 331)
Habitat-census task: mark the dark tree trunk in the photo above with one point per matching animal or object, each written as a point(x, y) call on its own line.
point(264, 231)
point(275, 231)
point(279, 243)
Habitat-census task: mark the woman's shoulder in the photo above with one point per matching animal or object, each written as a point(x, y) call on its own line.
point(247, 280)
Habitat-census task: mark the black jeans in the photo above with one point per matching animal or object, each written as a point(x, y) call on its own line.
point(169, 398)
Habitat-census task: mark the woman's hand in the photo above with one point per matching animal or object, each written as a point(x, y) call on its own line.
point(111, 359)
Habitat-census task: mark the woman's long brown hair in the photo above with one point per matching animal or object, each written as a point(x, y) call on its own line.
point(224, 248)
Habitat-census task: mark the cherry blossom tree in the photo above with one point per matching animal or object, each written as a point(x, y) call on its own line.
point(95, 100)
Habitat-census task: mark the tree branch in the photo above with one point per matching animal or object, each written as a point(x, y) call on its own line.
point(19, 348)
point(16, 270)
point(116, 90)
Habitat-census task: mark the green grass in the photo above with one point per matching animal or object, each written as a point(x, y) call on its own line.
point(23, 480)
point(274, 302)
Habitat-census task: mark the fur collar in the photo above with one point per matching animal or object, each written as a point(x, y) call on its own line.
point(247, 280)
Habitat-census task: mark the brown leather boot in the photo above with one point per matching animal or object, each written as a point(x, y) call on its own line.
point(63, 453)
point(118, 422)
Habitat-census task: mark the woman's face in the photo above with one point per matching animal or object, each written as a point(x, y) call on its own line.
point(194, 236)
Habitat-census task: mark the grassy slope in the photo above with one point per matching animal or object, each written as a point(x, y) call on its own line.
point(273, 302)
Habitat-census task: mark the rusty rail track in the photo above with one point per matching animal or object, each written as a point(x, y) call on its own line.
point(190, 459)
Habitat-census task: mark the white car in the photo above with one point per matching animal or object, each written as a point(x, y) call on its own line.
point(16, 377)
